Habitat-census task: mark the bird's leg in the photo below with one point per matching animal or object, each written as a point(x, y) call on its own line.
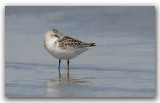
point(59, 68)
point(68, 68)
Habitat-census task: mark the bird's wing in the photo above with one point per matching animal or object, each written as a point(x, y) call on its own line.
point(69, 43)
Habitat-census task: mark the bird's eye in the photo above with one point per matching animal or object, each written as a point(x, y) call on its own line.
point(56, 35)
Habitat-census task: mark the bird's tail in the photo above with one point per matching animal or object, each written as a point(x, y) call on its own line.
point(92, 44)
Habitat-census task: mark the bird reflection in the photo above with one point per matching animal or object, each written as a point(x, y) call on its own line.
point(66, 80)
point(56, 87)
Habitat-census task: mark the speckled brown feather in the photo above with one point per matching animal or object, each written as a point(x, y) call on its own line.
point(69, 43)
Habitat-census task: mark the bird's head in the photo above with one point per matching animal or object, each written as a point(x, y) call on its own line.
point(52, 35)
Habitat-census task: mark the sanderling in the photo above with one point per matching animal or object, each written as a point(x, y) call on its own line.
point(64, 47)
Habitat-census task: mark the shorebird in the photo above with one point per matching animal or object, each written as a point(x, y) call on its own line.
point(64, 47)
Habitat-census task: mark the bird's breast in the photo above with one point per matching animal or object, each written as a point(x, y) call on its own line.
point(53, 48)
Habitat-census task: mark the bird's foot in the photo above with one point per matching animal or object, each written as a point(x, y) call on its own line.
point(68, 75)
point(59, 75)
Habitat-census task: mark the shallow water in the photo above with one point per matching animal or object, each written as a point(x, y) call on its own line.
point(121, 65)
